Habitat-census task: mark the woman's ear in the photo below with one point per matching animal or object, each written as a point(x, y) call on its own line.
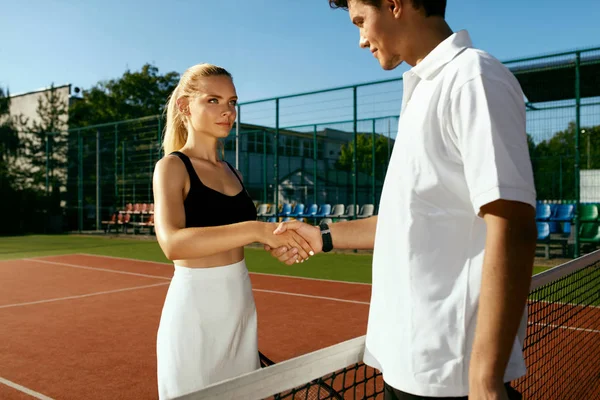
point(183, 104)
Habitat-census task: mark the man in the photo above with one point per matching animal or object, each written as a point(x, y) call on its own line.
point(454, 241)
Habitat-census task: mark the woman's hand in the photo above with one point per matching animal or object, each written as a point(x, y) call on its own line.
point(290, 240)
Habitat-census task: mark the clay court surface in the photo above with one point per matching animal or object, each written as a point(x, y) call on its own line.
point(84, 326)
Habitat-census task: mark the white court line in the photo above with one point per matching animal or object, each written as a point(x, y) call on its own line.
point(95, 268)
point(23, 389)
point(251, 273)
point(564, 327)
point(162, 277)
point(311, 296)
point(80, 296)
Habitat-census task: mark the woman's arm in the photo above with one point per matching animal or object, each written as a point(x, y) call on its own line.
point(180, 243)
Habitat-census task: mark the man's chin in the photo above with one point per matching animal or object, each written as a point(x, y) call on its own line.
point(390, 65)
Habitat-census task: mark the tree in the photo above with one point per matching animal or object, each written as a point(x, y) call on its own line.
point(45, 146)
point(364, 155)
point(9, 139)
point(21, 201)
point(136, 94)
point(554, 161)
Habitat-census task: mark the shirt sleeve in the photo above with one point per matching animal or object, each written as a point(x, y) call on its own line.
point(486, 122)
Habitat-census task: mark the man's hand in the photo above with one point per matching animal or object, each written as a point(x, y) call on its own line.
point(312, 234)
point(481, 391)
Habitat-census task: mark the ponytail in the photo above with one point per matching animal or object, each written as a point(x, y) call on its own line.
point(175, 132)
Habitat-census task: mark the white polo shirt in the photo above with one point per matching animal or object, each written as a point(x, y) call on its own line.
point(461, 144)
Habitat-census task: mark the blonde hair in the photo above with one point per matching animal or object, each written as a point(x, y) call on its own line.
point(175, 132)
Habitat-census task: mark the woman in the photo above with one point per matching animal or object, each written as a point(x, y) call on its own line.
point(203, 219)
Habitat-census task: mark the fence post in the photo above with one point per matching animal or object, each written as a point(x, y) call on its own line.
point(315, 178)
point(373, 165)
point(98, 207)
point(354, 155)
point(116, 164)
point(577, 152)
point(123, 172)
point(276, 161)
point(265, 185)
point(80, 182)
point(237, 137)
point(150, 164)
point(47, 165)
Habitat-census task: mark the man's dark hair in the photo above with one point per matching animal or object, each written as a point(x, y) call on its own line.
point(430, 7)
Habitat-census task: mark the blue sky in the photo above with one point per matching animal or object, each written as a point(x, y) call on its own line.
point(272, 47)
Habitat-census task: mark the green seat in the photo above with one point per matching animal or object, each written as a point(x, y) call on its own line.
point(589, 232)
point(588, 212)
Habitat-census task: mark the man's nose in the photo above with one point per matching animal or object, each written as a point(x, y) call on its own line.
point(363, 42)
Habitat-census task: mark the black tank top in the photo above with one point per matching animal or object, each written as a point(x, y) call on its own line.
point(207, 207)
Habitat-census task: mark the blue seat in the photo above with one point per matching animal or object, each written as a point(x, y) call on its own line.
point(324, 210)
point(312, 210)
point(563, 213)
point(543, 236)
point(298, 210)
point(286, 210)
point(543, 212)
point(543, 229)
point(555, 227)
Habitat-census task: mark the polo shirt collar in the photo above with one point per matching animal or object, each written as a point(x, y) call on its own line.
point(442, 54)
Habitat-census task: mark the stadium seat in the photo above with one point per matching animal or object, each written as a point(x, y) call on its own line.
point(543, 237)
point(590, 233)
point(337, 211)
point(111, 222)
point(366, 211)
point(286, 210)
point(124, 221)
point(324, 211)
point(297, 210)
point(262, 210)
point(588, 212)
point(310, 213)
point(543, 212)
point(270, 213)
point(563, 213)
point(350, 211)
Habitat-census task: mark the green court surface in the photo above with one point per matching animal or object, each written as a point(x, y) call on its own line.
point(342, 267)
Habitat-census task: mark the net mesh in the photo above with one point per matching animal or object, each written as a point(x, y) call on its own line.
point(357, 381)
point(562, 347)
point(562, 351)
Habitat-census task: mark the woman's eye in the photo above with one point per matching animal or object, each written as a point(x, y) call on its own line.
point(233, 102)
point(213, 100)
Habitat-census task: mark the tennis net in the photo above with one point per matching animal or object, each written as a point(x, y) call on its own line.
point(562, 351)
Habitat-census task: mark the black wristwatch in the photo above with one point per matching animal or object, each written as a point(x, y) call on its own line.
point(326, 236)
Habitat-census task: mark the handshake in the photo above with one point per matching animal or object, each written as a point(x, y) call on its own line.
point(292, 242)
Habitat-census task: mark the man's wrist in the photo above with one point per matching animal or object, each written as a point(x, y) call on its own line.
point(327, 242)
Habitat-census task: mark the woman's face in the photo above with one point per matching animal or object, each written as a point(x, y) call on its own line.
point(212, 109)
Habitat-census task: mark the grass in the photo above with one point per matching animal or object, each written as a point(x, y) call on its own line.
point(342, 267)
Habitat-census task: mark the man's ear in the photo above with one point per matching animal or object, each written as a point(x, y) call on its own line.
point(183, 104)
point(395, 7)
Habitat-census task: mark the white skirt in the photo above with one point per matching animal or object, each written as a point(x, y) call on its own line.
point(208, 329)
